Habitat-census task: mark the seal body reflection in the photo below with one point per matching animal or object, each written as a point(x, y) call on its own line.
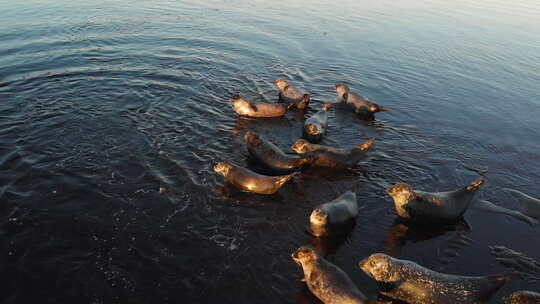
point(272, 156)
point(407, 281)
point(326, 281)
point(249, 181)
point(331, 218)
point(424, 206)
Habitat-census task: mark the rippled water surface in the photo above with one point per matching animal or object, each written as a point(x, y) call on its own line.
point(113, 112)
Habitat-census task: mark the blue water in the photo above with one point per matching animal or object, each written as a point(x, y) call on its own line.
point(112, 114)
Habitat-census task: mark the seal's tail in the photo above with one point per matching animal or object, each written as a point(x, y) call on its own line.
point(476, 184)
point(285, 178)
point(365, 145)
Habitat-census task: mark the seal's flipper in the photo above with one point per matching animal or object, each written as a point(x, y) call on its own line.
point(365, 145)
point(475, 185)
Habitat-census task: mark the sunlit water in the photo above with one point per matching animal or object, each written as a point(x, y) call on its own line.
point(113, 112)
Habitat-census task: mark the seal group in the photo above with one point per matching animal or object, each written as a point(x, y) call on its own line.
point(398, 279)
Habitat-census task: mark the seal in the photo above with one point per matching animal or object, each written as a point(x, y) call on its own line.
point(433, 206)
point(326, 281)
point(245, 107)
point(360, 105)
point(329, 218)
point(522, 297)
point(324, 156)
point(407, 281)
point(271, 156)
point(531, 204)
point(249, 181)
point(316, 125)
point(289, 94)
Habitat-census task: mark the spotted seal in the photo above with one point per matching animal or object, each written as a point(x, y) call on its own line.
point(316, 125)
point(288, 93)
point(324, 156)
point(360, 105)
point(433, 206)
point(326, 281)
point(249, 181)
point(330, 218)
point(522, 297)
point(244, 107)
point(272, 156)
point(407, 281)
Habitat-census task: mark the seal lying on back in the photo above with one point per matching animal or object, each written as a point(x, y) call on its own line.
point(290, 94)
point(328, 218)
point(361, 106)
point(324, 156)
point(271, 156)
point(433, 206)
point(249, 181)
point(315, 126)
point(326, 281)
point(532, 205)
point(522, 297)
point(407, 281)
point(245, 107)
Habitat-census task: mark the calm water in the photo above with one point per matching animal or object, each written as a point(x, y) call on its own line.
point(104, 103)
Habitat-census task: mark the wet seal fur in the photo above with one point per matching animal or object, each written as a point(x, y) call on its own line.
point(360, 105)
point(522, 297)
point(272, 156)
point(316, 125)
point(249, 181)
point(423, 206)
point(326, 281)
point(288, 93)
point(330, 218)
point(247, 108)
point(407, 281)
point(324, 156)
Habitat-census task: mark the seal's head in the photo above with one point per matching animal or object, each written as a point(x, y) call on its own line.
point(252, 139)
point(326, 106)
point(281, 84)
point(374, 108)
point(301, 146)
point(312, 129)
point(302, 104)
point(380, 267)
point(222, 168)
point(341, 89)
point(318, 217)
point(304, 255)
point(237, 100)
point(242, 106)
point(402, 194)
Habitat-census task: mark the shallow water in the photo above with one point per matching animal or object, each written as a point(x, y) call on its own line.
point(113, 112)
